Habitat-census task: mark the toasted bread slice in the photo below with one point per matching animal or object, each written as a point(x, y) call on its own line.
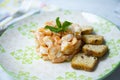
point(95, 50)
point(93, 39)
point(87, 30)
point(84, 62)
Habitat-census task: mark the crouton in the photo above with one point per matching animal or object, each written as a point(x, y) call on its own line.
point(84, 62)
point(95, 50)
point(87, 30)
point(93, 39)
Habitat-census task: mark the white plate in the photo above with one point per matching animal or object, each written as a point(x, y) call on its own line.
point(19, 59)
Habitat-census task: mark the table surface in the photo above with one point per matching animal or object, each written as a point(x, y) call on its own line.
point(104, 8)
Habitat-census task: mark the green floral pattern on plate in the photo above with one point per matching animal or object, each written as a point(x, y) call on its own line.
point(102, 26)
point(73, 76)
point(67, 12)
point(25, 29)
point(2, 50)
point(24, 76)
point(26, 55)
point(114, 47)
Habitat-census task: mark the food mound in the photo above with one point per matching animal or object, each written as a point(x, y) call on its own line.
point(58, 46)
point(63, 41)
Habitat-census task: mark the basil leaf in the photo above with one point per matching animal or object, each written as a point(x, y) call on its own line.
point(58, 22)
point(60, 27)
point(65, 25)
point(53, 29)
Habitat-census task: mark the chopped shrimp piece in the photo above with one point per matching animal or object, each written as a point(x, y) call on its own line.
point(45, 57)
point(46, 32)
point(67, 37)
point(74, 41)
point(52, 52)
point(39, 37)
point(48, 41)
point(43, 50)
point(78, 45)
point(67, 47)
point(60, 59)
point(55, 55)
point(56, 39)
point(76, 29)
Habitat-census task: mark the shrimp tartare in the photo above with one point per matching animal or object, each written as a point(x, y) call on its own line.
point(58, 46)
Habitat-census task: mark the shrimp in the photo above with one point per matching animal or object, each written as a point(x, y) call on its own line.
point(52, 52)
point(55, 54)
point(48, 41)
point(45, 57)
point(60, 59)
point(67, 48)
point(57, 40)
point(43, 50)
point(39, 37)
point(67, 37)
point(78, 45)
point(46, 32)
point(76, 29)
point(74, 41)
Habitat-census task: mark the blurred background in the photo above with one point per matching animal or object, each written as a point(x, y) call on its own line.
point(109, 9)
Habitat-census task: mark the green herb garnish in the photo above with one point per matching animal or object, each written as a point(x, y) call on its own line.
point(60, 27)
